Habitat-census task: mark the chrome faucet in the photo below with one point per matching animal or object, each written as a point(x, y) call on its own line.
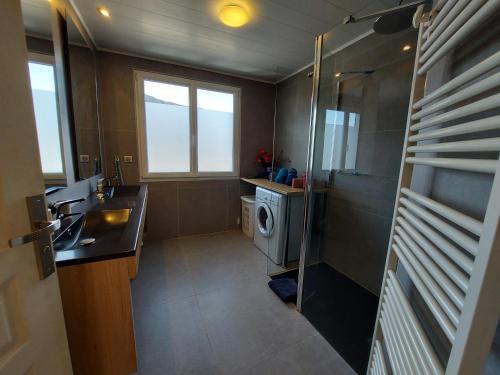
point(100, 186)
point(56, 207)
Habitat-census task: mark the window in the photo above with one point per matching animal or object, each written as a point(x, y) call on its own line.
point(186, 128)
point(341, 140)
point(43, 89)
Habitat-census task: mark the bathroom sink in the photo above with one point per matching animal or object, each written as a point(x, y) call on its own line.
point(125, 191)
point(111, 227)
point(107, 217)
point(105, 222)
point(69, 236)
point(95, 225)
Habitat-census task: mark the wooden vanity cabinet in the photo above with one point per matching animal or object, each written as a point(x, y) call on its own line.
point(97, 307)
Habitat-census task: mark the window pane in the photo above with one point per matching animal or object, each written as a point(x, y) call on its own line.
point(215, 131)
point(43, 89)
point(167, 127)
point(334, 134)
point(352, 141)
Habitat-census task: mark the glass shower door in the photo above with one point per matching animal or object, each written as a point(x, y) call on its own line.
point(361, 108)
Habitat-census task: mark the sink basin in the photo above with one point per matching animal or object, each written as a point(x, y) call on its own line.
point(125, 191)
point(107, 217)
point(105, 222)
point(69, 237)
point(94, 224)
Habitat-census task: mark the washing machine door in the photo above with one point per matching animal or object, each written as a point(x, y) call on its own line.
point(264, 219)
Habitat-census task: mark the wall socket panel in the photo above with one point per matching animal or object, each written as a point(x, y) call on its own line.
point(128, 159)
point(84, 158)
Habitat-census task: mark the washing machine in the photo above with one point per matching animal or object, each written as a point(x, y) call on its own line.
point(270, 223)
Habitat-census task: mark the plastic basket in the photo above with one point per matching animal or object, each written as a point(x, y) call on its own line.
point(248, 214)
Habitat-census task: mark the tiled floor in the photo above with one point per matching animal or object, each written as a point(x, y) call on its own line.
point(202, 306)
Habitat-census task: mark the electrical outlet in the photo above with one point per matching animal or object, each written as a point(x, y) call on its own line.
point(127, 159)
point(84, 158)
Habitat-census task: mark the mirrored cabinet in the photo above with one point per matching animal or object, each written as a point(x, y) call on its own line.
point(63, 75)
point(42, 72)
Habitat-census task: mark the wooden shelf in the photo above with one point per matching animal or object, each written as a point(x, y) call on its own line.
point(274, 186)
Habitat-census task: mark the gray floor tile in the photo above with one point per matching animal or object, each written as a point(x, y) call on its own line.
point(163, 275)
point(269, 366)
point(171, 339)
point(202, 306)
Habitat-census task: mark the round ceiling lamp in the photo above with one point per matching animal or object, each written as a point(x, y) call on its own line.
point(233, 15)
point(104, 12)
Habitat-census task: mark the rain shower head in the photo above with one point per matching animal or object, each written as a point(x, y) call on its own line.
point(391, 20)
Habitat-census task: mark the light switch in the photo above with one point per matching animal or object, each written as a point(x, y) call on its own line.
point(127, 159)
point(84, 158)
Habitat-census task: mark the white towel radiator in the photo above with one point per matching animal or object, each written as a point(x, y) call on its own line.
point(452, 260)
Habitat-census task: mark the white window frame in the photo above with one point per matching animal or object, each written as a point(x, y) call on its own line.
point(193, 85)
point(40, 58)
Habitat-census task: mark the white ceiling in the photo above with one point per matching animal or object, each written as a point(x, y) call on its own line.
point(36, 17)
point(278, 40)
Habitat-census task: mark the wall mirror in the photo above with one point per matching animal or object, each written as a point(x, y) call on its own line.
point(80, 58)
point(42, 71)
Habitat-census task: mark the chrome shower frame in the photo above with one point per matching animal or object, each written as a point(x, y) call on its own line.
point(308, 193)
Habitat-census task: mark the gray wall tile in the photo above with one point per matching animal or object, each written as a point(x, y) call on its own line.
point(200, 206)
point(292, 121)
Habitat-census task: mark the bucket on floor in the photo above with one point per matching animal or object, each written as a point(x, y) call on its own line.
point(247, 214)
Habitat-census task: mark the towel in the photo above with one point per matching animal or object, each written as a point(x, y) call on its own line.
point(291, 175)
point(285, 289)
point(281, 177)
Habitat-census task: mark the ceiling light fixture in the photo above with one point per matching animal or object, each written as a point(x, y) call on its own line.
point(233, 15)
point(406, 47)
point(104, 12)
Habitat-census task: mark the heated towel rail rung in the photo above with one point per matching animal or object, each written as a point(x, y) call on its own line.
point(484, 124)
point(418, 332)
point(462, 79)
point(432, 304)
point(457, 17)
point(476, 145)
point(462, 260)
point(443, 281)
point(393, 350)
point(465, 221)
point(379, 358)
point(401, 350)
point(490, 102)
point(469, 26)
point(460, 96)
point(400, 333)
point(445, 263)
point(418, 352)
point(443, 301)
point(442, 16)
point(471, 165)
point(457, 236)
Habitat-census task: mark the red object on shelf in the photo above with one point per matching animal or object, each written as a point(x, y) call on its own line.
point(264, 158)
point(298, 182)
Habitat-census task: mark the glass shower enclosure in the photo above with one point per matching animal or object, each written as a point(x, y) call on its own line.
point(358, 120)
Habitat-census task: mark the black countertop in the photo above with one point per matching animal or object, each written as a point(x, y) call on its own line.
point(114, 244)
